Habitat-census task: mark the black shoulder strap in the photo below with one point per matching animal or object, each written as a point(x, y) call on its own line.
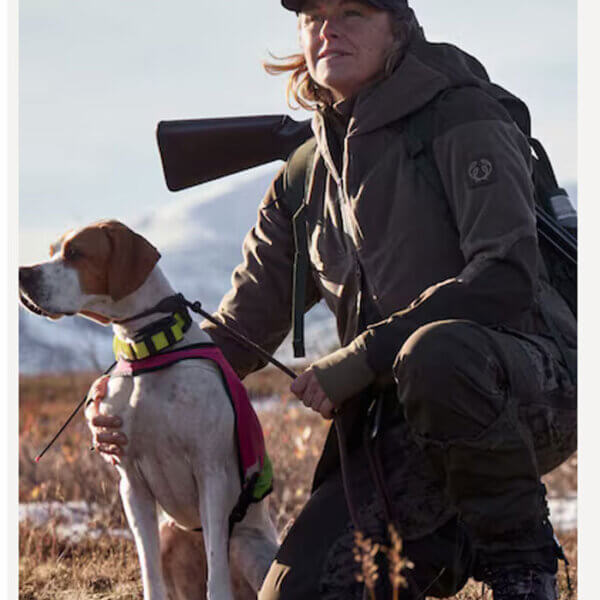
point(419, 132)
point(297, 181)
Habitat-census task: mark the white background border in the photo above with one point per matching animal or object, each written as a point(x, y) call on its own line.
point(589, 223)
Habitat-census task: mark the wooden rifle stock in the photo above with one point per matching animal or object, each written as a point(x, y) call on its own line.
point(195, 151)
point(198, 150)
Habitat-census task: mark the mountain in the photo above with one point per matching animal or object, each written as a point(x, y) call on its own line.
point(199, 236)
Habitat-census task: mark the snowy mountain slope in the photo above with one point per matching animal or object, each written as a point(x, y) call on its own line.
point(199, 236)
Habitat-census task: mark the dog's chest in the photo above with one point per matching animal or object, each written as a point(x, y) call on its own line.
point(180, 425)
point(179, 408)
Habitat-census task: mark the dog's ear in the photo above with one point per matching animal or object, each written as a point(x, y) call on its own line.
point(56, 246)
point(132, 258)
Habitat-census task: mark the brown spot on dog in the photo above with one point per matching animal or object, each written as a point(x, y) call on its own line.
point(110, 258)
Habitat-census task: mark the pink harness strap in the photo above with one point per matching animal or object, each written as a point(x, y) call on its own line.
point(251, 443)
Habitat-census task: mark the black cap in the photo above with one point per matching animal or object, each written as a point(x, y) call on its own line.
point(296, 5)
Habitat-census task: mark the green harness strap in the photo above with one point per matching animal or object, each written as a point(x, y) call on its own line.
point(297, 182)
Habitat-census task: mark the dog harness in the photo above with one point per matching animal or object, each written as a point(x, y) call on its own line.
point(255, 469)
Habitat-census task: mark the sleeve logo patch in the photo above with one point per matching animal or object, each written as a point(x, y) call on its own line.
point(481, 172)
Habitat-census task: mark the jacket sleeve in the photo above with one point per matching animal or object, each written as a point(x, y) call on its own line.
point(258, 305)
point(485, 165)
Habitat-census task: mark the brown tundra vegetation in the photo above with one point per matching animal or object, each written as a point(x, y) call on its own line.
point(102, 567)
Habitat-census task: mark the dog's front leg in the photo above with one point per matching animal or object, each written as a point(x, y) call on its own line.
point(215, 522)
point(140, 509)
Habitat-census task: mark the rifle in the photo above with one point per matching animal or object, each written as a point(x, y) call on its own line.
point(199, 150)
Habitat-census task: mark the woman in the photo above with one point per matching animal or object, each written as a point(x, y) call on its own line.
point(441, 303)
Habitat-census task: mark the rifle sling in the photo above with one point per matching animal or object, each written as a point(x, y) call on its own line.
point(297, 183)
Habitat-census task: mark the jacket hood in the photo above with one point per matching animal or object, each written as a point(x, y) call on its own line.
point(426, 70)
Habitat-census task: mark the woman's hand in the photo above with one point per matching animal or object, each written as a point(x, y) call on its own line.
point(106, 437)
point(306, 387)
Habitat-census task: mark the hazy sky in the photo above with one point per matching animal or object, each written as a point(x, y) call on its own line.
point(96, 77)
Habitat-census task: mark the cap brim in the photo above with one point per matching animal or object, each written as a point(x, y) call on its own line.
point(296, 5)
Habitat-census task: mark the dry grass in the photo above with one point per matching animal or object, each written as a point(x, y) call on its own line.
point(51, 569)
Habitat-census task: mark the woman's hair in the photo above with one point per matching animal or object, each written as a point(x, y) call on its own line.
point(302, 88)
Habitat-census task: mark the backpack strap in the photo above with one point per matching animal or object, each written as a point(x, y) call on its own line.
point(297, 183)
point(418, 131)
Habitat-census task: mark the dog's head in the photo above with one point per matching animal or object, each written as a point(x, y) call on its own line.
point(96, 266)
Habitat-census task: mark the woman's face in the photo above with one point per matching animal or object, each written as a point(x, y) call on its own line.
point(345, 43)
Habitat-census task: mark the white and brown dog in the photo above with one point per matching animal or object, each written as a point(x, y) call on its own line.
point(179, 422)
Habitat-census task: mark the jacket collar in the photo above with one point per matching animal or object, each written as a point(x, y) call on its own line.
point(425, 70)
point(412, 85)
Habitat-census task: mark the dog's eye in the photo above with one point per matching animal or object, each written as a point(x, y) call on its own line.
point(71, 253)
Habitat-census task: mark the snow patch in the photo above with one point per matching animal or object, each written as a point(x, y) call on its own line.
point(78, 520)
point(563, 512)
point(75, 520)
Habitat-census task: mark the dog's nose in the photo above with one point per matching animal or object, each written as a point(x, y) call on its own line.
point(27, 276)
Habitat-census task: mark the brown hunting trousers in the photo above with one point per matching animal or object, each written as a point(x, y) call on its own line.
point(483, 414)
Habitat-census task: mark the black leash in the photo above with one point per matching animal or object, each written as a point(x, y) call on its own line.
point(197, 307)
point(371, 442)
point(77, 409)
point(173, 303)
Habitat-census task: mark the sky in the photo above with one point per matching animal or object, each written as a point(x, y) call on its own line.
point(95, 78)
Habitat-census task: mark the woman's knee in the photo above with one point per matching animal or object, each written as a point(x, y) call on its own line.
point(449, 379)
point(428, 352)
point(424, 369)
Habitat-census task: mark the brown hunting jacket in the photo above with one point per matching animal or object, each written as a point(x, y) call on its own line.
point(386, 252)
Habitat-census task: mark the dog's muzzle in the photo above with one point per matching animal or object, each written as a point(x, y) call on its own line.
point(29, 286)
